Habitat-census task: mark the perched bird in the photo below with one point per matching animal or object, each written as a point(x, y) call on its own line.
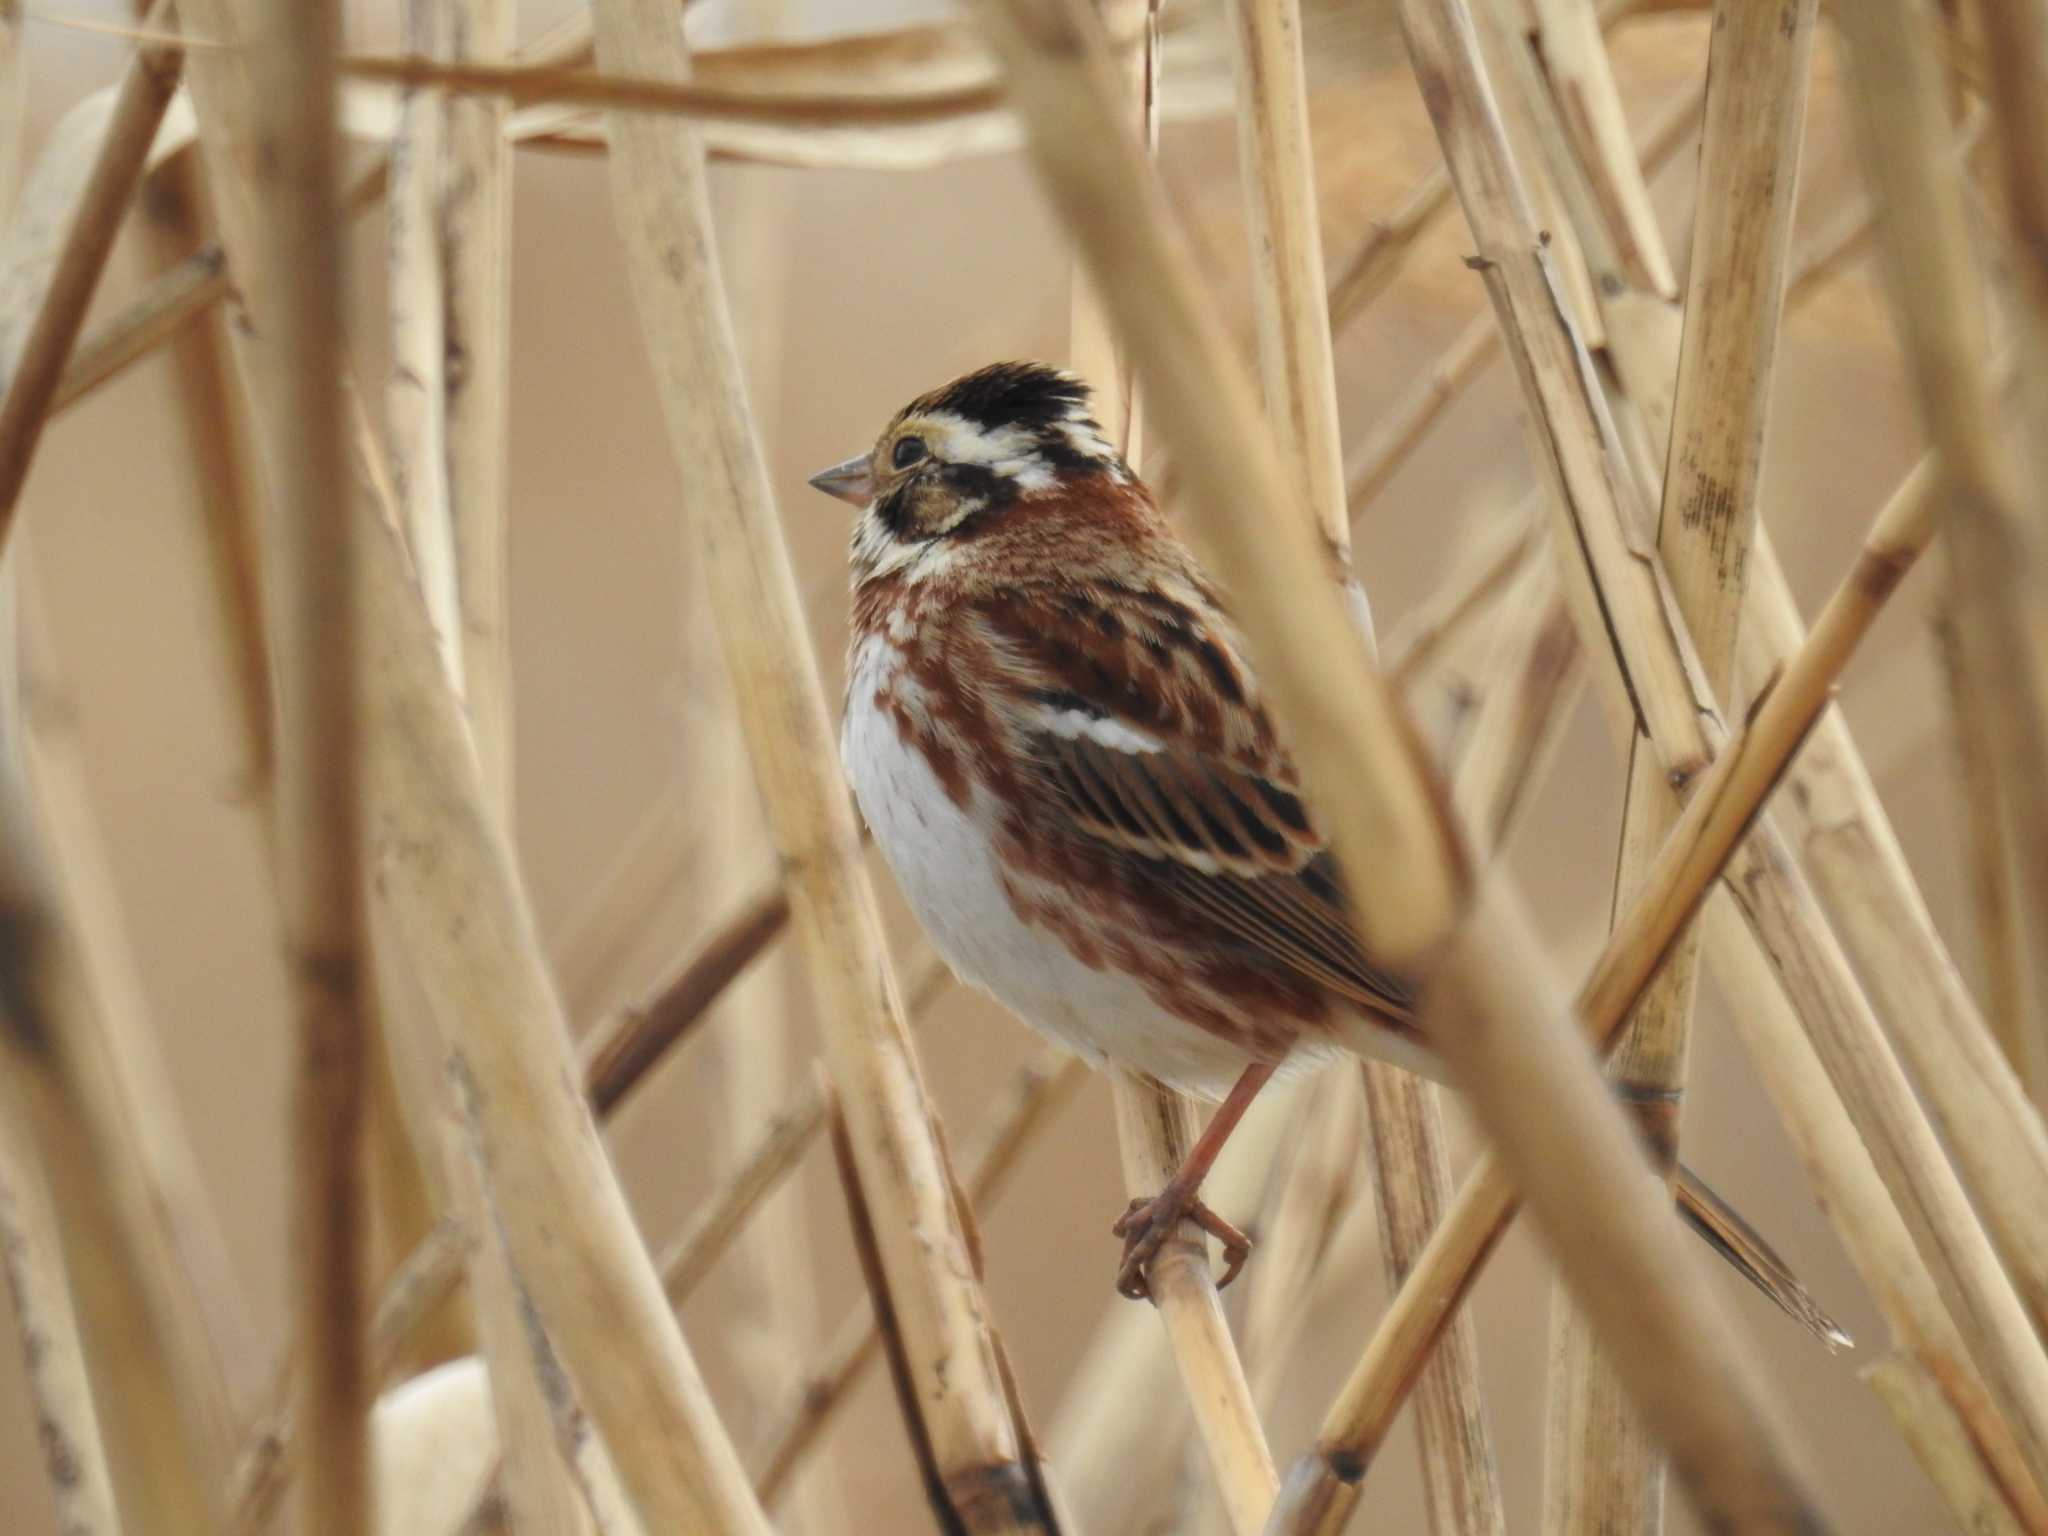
point(1054, 733)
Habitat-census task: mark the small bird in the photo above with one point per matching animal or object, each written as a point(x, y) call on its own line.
point(1054, 734)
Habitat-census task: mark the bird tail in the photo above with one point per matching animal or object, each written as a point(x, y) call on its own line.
point(1753, 1258)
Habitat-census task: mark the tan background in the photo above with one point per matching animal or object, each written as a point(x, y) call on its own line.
point(890, 284)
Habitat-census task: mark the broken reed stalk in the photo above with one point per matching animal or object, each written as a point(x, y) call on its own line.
point(1604, 1470)
point(1503, 1029)
point(1581, 79)
point(1398, 430)
point(1996, 551)
point(1846, 1182)
point(1297, 370)
point(950, 1357)
point(313, 610)
point(145, 92)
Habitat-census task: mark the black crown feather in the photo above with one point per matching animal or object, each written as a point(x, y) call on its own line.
point(1028, 394)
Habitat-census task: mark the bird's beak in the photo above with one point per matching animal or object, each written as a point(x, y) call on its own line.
point(852, 481)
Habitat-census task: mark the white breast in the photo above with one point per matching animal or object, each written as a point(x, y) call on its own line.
point(943, 858)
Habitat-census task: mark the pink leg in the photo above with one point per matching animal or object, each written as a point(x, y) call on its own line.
point(1148, 1223)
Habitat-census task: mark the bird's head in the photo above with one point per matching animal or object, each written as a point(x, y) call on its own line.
point(952, 461)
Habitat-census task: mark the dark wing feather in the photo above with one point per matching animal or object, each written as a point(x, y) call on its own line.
point(1230, 843)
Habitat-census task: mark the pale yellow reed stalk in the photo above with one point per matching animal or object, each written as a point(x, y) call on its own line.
point(1582, 81)
point(1604, 1470)
point(2015, 34)
point(1847, 1184)
point(1411, 1165)
point(962, 1411)
point(1035, 1093)
point(60, 295)
point(1996, 548)
point(1942, 1446)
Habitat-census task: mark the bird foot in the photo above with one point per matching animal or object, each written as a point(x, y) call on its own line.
point(1146, 1225)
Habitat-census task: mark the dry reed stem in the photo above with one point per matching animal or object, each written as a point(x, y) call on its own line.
point(311, 587)
point(1582, 82)
point(1296, 362)
point(527, 85)
point(1370, 269)
point(13, 103)
point(52, 1352)
point(431, 366)
point(1941, 1445)
point(1534, 677)
point(61, 1096)
point(179, 296)
point(2015, 50)
point(61, 299)
point(1035, 1093)
point(1398, 431)
point(1312, 1184)
point(756, 1173)
point(447, 872)
point(1508, 1042)
point(1154, 1123)
point(1855, 858)
point(191, 1284)
point(217, 436)
point(1781, 909)
point(1996, 549)
point(1411, 1181)
point(1846, 1183)
point(473, 218)
point(1360, 1418)
point(1411, 1164)
point(410, 1146)
point(1991, 882)
point(623, 905)
point(1604, 1471)
point(534, 1487)
point(619, 1056)
point(187, 1285)
point(1184, 1291)
point(977, 1447)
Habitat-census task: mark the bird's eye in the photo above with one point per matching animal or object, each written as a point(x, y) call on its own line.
point(908, 451)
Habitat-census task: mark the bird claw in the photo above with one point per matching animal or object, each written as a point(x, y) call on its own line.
point(1145, 1226)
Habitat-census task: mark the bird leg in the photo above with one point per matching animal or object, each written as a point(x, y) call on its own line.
point(1147, 1224)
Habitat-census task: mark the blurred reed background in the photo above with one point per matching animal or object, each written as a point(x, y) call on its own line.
point(638, 831)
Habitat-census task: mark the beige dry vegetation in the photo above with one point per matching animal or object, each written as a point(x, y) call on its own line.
point(432, 926)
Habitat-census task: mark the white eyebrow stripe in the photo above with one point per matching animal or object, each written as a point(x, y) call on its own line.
point(1010, 451)
point(1104, 731)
